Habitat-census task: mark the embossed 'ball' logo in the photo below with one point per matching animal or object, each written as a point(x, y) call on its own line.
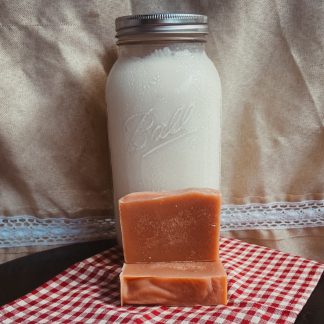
point(147, 135)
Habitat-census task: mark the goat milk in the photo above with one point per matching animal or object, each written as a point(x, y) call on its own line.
point(164, 115)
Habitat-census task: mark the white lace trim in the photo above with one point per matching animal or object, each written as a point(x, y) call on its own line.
point(279, 215)
point(26, 230)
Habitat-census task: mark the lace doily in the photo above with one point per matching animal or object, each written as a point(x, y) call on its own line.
point(26, 230)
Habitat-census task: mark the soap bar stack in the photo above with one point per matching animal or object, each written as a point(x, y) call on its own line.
point(171, 242)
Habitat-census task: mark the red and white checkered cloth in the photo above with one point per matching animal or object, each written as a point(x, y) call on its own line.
point(264, 286)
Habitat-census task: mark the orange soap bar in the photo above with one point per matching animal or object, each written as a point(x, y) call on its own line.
point(170, 226)
point(174, 283)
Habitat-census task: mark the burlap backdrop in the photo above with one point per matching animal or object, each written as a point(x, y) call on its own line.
point(54, 58)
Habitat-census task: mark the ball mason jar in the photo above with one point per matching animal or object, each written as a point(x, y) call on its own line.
point(164, 106)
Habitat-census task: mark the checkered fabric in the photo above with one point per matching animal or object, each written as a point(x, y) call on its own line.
point(264, 286)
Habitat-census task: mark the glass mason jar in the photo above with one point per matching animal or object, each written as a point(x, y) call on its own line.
point(164, 106)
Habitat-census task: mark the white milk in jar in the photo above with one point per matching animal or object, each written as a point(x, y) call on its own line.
point(164, 106)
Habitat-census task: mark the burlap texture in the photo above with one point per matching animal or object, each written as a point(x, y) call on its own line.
point(55, 56)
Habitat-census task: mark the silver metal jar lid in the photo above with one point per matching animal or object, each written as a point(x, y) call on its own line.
point(161, 27)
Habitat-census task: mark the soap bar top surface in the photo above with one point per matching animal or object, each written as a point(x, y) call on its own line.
point(170, 226)
point(174, 283)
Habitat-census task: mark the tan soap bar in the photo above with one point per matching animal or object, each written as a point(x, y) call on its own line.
point(170, 226)
point(174, 283)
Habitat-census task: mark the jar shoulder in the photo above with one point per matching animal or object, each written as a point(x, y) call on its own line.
point(151, 75)
point(144, 67)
